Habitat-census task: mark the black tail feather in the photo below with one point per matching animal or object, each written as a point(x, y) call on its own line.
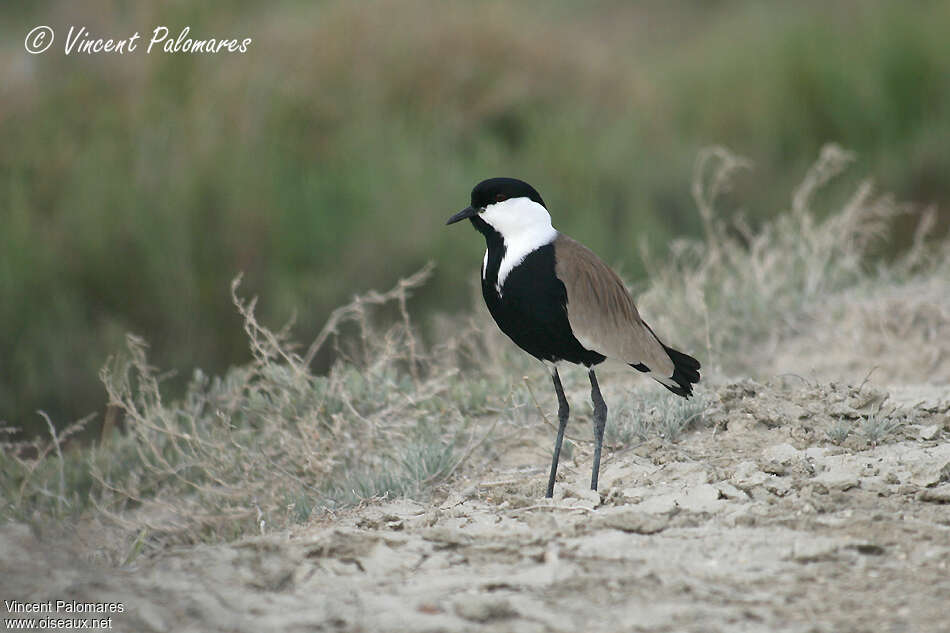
point(685, 372)
point(685, 368)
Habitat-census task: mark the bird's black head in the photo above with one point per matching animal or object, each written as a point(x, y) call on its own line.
point(494, 191)
point(500, 189)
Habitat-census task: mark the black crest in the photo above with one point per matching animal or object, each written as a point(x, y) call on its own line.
point(500, 189)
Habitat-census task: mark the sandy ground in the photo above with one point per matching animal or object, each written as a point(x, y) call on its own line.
point(754, 521)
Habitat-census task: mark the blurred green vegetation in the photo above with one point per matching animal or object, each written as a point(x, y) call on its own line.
point(324, 161)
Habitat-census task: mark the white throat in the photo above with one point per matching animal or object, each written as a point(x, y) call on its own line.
point(524, 225)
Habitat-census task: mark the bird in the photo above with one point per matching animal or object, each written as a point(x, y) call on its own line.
point(556, 300)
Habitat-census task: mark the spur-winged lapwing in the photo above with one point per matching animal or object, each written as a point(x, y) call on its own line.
point(559, 302)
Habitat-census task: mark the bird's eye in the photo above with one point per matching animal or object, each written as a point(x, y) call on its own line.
point(500, 197)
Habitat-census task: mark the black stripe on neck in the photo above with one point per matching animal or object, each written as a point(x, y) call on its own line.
point(496, 250)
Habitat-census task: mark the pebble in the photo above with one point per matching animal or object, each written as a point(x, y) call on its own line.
point(940, 494)
point(838, 477)
point(929, 474)
point(484, 608)
point(634, 520)
point(702, 498)
point(931, 432)
point(747, 475)
point(783, 453)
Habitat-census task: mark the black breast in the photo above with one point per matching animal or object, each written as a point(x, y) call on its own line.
point(532, 308)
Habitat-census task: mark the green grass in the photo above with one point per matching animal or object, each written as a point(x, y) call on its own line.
point(324, 161)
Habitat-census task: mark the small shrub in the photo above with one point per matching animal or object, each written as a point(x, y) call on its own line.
point(741, 288)
point(878, 425)
point(266, 444)
point(840, 431)
point(653, 413)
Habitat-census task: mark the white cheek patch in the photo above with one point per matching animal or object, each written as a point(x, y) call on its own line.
point(524, 225)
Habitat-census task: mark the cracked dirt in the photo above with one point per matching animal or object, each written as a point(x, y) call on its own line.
point(754, 521)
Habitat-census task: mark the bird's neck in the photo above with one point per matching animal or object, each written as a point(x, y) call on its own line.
point(495, 245)
point(507, 251)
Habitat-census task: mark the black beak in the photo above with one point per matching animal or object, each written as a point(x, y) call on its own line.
point(467, 212)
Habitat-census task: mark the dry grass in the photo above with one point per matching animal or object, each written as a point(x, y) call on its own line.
point(281, 162)
point(270, 443)
point(742, 293)
point(36, 478)
point(654, 413)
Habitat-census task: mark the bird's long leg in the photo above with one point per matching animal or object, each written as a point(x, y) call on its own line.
point(600, 423)
point(563, 411)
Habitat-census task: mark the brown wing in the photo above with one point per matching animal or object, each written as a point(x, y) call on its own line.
point(602, 313)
